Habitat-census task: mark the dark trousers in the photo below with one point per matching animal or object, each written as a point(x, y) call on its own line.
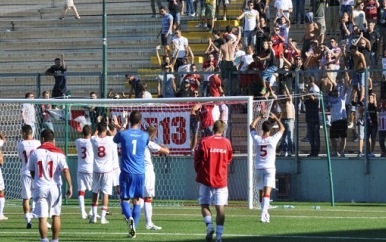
point(314, 135)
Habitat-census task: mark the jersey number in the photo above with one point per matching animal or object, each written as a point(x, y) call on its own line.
point(41, 170)
point(134, 142)
point(26, 156)
point(263, 150)
point(84, 152)
point(101, 151)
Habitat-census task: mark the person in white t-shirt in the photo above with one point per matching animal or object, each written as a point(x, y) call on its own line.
point(46, 164)
point(283, 7)
point(265, 160)
point(251, 23)
point(28, 113)
point(2, 184)
point(24, 150)
point(85, 154)
point(150, 176)
point(103, 147)
point(284, 25)
point(116, 170)
point(180, 45)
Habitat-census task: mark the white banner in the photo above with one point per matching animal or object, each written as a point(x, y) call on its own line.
point(172, 123)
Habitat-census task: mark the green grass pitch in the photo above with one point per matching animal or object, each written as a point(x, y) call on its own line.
point(343, 222)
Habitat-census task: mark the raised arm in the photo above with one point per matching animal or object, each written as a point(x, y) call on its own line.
point(158, 56)
point(281, 126)
point(63, 64)
point(254, 123)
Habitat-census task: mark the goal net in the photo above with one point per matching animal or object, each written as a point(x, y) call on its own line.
point(175, 176)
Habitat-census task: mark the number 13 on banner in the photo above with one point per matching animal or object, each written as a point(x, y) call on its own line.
point(173, 128)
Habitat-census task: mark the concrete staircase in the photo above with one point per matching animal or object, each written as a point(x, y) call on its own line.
point(31, 36)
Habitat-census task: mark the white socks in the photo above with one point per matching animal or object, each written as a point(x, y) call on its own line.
point(148, 208)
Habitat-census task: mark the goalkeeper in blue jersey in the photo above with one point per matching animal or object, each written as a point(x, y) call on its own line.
point(132, 178)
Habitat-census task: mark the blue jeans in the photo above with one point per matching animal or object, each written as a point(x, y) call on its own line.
point(248, 38)
point(268, 72)
point(189, 7)
point(314, 135)
point(299, 9)
point(287, 140)
point(382, 138)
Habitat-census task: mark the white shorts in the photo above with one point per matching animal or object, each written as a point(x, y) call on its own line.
point(265, 178)
point(102, 182)
point(69, 3)
point(48, 201)
point(84, 181)
point(26, 187)
point(213, 196)
point(2, 186)
point(149, 190)
point(116, 173)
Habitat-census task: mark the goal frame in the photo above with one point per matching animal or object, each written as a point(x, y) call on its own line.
point(119, 102)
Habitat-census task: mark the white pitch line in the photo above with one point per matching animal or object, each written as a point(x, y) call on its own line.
point(252, 215)
point(201, 235)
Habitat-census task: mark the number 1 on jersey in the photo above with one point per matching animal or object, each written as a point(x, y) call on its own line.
point(134, 143)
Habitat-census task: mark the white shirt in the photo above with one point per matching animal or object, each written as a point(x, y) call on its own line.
point(246, 59)
point(29, 113)
point(115, 155)
point(359, 18)
point(250, 20)
point(283, 4)
point(103, 154)
point(238, 55)
point(147, 95)
point(151, 147)
point(265, 150)
point(347, 2)
point(24, 150)
point(85, 155)
point(47, 166)
point(224, 113)
point(180, 43)
point(284, 31)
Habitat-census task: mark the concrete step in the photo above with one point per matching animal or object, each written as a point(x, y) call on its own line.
point(197, 60)
point(78, 66)
point(96, 54)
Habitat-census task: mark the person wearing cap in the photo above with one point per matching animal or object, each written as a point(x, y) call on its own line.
point(311, 102)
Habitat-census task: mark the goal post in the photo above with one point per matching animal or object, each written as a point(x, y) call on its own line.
point(172, 118)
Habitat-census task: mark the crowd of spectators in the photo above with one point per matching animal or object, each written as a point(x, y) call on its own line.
point(336, 58)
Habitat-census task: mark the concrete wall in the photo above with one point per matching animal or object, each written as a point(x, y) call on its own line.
point(176, 179)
